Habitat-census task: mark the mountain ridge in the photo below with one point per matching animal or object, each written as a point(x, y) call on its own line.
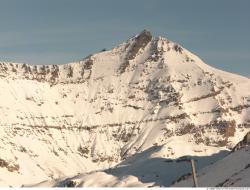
point(12, 66)
point(93, 114)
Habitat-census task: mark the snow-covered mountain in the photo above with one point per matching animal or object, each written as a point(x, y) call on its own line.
point(129, 114)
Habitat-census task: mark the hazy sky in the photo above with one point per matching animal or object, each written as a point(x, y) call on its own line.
point(60, 31)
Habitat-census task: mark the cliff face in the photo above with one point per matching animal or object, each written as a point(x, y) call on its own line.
point(58, 120)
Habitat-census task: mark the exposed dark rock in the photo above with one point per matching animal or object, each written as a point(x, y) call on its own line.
point(140, 42)
point(54, 73)
point(245, 142)
point(83, 150)
point(70, 72)
point(177, 48)
point(10, 167)
point(69, 184)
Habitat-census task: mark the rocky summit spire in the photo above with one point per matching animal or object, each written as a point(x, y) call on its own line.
point(140, 42)
point(145, 35)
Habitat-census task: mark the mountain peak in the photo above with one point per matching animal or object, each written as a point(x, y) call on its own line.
point(139, 101)
point(145, 32)
point(144, 36)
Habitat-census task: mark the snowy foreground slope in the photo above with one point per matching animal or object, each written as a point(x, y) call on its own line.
point(131, 115)
point(233, 170)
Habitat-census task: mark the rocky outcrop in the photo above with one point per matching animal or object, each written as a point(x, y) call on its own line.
point(243, 143)
point(139, 43)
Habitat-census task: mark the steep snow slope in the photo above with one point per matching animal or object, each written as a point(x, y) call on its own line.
point(60, 120)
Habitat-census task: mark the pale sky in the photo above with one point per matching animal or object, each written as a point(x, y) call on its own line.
point(61, 31)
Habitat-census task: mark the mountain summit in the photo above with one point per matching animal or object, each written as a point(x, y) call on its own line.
point(146, 101)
